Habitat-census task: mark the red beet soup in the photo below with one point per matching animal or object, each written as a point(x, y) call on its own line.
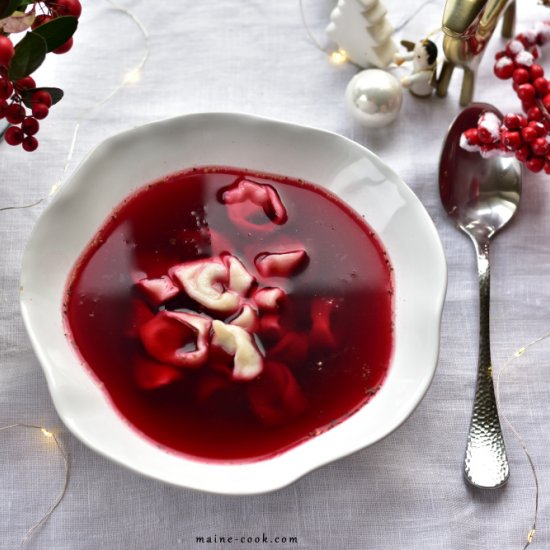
point(231, 315)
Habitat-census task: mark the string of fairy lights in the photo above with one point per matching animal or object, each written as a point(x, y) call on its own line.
point(131, 77)
point(338, 57)
point(520, 353)
point(61, 450)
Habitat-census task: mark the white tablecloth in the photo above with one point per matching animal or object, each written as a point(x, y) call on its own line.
point(406, 492)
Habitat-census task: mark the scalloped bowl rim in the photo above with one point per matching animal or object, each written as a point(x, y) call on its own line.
point(394, 212)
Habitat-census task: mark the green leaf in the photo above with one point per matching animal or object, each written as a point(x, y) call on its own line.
point(7, 7)
point(23, 4)
point(55, 93)
point(29, 55)
point(57, 31)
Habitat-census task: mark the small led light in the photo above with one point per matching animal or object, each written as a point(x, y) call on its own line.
point(55, 188)
point(133, 76)
point(46, 432)
point(338, 57)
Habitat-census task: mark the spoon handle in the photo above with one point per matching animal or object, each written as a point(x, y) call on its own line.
point(485, 464)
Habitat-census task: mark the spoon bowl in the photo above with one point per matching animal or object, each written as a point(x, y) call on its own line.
point(480, 195)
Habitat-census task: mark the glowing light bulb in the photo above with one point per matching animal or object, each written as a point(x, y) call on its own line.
point(338, 57)
point(133, 76)
point(55, 188)
point(46, 432)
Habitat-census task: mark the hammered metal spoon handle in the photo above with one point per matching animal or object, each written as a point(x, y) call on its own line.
point(485, 464)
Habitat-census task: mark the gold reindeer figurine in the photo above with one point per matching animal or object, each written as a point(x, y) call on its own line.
point(468, 25)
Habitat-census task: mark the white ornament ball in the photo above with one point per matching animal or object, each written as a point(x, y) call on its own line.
point(374, 97)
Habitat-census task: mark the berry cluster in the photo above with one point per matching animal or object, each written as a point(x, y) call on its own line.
point(527, 137)
point(22, 104)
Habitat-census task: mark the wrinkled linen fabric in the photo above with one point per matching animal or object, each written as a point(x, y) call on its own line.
point(406, 492)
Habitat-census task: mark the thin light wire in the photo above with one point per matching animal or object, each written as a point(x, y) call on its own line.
point(63, 490)
point(410, 17)
point(312, 38)
point(136, 70)
point(23, 206)
point(399, 27)
point(519, 353)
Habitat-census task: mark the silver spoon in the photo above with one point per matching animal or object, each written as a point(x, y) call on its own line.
point(480, 196)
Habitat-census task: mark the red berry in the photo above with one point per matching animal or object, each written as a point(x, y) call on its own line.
point(541, 38)
point(525, 59)
point(521, 75)
point(524, 40)
point(3, 109)
point(30, 143)
point(26, 83)
point(511, 139)
point(30, 126)
point(534, 113)
point(64, 48)
point(512, 121)
point(538, 127)
point(522, 121)
point(472, 136)
point(523, 153)
point(484, 135)
point(14, 135)
point(42, 97)
point(541, 86)
point(504, 68)
point(40, 111)
point(40, 20)
point(546, 101)
point(526, 105)
point(526, 92)
point(540, 146)
point(536, 71)
point(514, 47)
point(15, 113)
point(535, 164)
point(529, 134)
point(68, 7)
point(6, 51)
point(6, 88)
point(500, 54)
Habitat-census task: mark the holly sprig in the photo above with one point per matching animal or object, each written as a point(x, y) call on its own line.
point(49, 26)
point(525, 136)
